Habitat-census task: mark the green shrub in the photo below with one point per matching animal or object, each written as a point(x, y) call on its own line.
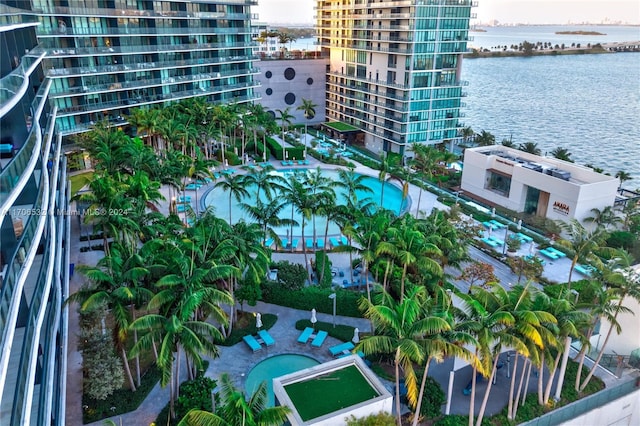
point(313, 297)
point(291, 276)
point(340, 331)
point(195, 394)
point(432, 399)
point(163, 416)
point(122, 401)
point(322, 262)
point(621, 239)
point(380, 419)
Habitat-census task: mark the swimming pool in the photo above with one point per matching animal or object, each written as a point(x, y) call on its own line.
point(275, 366)
point(219, 198)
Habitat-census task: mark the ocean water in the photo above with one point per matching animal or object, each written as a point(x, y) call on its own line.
point(500, 36)
point(588, 104)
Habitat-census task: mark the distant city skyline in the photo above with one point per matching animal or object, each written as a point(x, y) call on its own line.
point(503, 11)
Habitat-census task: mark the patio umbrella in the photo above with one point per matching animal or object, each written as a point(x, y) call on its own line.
point(519, 224)
point(356, 335)
point(314, 320)
point(258, 320)
point(493, 212)
point(489, 231)
point(531, 249)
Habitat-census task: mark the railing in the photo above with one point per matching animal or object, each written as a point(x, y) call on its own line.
point(137, 84)
point(82, 31)
point(584, 405)
point(146, 66)
point(14, 84)
point(116, 104)
point(135, 13)
point(137, 49)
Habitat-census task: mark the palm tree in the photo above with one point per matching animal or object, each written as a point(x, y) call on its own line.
point(235, 185)
point(297, 194)
point(562, 154)
point(386, 165)
point(309, 110)
point(624, 280)
point(352, 183)
point(530, 147)
point(285, 116)
point(485, 139)
point(581, 241)
point(606, 217)
point(267, 215)
point(467, 134)
point(623, 176)
point(320, 188)
point(424, 162)
point(265, 180)
point(403, 325)
point(236, 410)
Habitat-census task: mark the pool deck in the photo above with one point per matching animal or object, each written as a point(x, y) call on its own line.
point(238, 360)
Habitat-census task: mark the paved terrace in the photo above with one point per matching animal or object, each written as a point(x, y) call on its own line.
point(238, 359)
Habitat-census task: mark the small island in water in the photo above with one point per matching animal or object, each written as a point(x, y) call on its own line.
point(579, 33)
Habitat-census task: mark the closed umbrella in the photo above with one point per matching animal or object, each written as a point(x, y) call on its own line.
point(314, 320)
point(258, 320)
point(356, 335)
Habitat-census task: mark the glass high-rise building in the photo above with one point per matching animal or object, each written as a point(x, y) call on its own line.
point(107, 56)
point(33, 228)
point(395, 68)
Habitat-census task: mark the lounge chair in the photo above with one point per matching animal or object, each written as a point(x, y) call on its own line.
point(309, 243)
point(181, 208)
point(268, 243)
point(184, 199)
point(341, 348)
point(294, 244)
point(319, 339)
point(305, 335)
point(320, 243)
point(359, 353)
point(344, 241)
point(192, 187)
point(252, 342)
point(284, 243)
point(551, 255)
point(266, 338)
point(556, 252)
point(334, 242)
point(496, 224)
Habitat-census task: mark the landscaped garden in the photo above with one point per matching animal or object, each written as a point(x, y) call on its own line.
point(168, 285)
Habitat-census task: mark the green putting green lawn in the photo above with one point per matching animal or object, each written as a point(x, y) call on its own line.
point(330, 392)
point(341, 127)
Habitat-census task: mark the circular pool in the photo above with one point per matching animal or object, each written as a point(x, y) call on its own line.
point(275, 366)
point(392, 200)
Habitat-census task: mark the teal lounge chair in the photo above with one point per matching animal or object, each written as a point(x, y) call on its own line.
point(320, 243)
point(268, 243)
point(309, 243)
point(294, 244)
point(341, 348)
point(181, 208)
point(184, 199)
point(252, 342)
point(284, 243)
point(334, 242)
point(305, 335)
point(319, 339)
point(266, 338)
point(344, 241)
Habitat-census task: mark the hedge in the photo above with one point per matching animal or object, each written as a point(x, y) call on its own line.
point(276, 150)
point(313, 297)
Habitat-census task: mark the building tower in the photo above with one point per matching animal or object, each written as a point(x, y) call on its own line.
point(33, 226)
point(107, 56)
point(395, 68)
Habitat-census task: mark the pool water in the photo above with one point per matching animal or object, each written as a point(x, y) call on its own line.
point(219, 198)
point(275, 366)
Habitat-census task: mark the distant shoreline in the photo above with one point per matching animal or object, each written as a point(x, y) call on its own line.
point(587, 50)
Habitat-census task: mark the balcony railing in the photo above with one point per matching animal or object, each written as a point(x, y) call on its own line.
point(134, 13)
point(145, 66)
point(137, 49)
point(131, 31)
point(14, 85)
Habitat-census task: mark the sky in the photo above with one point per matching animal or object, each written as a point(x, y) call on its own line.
point(504, 11)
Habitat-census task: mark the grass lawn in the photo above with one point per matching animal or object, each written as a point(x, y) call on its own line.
point(341, 127)
point(346, 387)
point(78, 181)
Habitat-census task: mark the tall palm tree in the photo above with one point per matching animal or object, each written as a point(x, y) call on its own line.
point(485, 139)
point(320, 188)
point(235, 185)
point(285, 116)
point(267, 215)
point(236, 410)
point(308, 108)
point(624, 280)
point(386, 165)
point(297, 195)
point(467, 134)
point(402, 324)
point(623, 176)
point(424, 162)
point(581, 241)
point(352, 183)
point(605, 218)
point(265, 181)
